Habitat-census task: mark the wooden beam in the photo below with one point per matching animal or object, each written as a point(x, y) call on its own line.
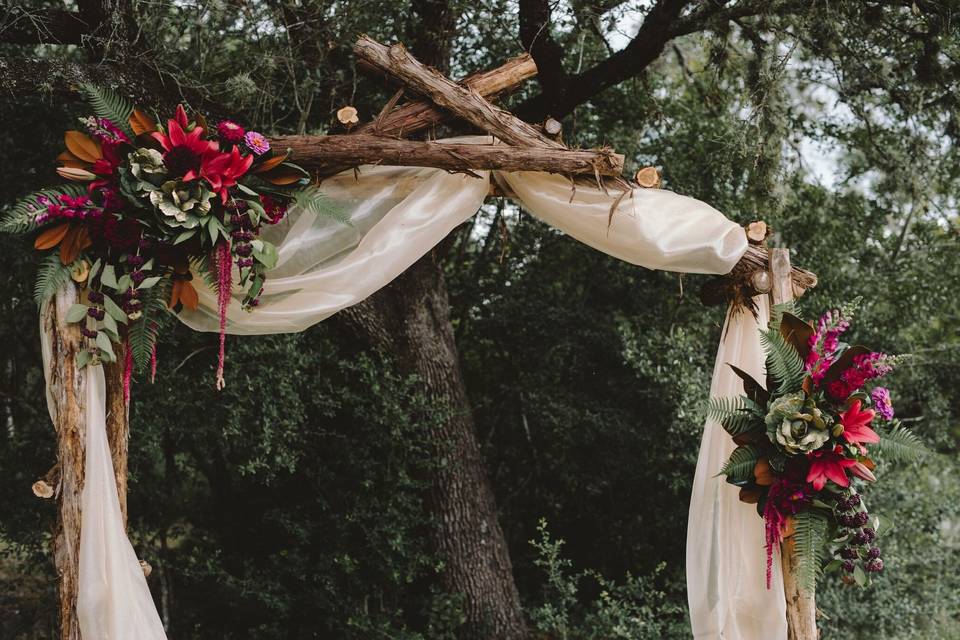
point(460, 100)
point(409, 118)
point(319, 153)
point(801, 606)
point(740, 284)
point(67, 384)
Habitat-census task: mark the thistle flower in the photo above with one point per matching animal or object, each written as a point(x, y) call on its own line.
point(256, 142)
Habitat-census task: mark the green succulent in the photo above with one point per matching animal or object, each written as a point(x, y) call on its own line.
point(147, 166)
point(796, 424)
point(182, 204)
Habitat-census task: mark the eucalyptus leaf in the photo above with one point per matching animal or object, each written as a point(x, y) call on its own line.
point(83, 358)
point(95, 269)
point(106, 347)
point(110, 325)
point(149, 282)
point(268, 256)
point(859, 576)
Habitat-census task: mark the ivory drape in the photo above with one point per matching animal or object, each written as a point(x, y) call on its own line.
point(397, 214)
point(726, 562)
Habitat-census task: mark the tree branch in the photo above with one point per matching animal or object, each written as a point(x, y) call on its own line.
point(548, 54)
point(54, 26)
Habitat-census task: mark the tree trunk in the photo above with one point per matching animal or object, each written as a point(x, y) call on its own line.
point(68, 389)
point(411, 318)
point(801, 606)
point(118, 424)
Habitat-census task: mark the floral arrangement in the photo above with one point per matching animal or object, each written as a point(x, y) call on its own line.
point(150, 203)
point(808, 438)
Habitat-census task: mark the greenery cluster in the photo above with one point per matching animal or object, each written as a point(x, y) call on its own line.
point(299, 510)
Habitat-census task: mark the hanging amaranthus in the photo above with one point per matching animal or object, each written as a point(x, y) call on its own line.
point(224, 281)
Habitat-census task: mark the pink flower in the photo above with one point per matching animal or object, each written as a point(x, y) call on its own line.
point(257, 142)
point(828, 465)
point(184, 151)
point(856, 425)
point(824, 344)
point(222, 170)
point(230, 131)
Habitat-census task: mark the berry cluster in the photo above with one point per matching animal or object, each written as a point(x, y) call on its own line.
point(859, 547)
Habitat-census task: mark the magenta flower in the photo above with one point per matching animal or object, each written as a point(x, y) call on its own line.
point(824, 343)
point(257, 142)
point(230, 131)
point(828, 465)
point(865, 367)
point(881, 400)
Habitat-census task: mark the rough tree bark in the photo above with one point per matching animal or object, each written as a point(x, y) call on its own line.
point(317, 153)
point(68, 389)
point(410, 318)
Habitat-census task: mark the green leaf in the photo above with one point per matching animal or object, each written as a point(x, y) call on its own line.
point(149, 282)
point(311, 199)
point(267, 255)
point(114, 310)
point(739, 468)
point(95, 269)
point(186, 235)
point(784, 364)
point(213, 227)
point(110, 105)
point(109, 277)
point(77, 312)
point(143, 334)
point(52, 275)
point(106, 347)
point(900, 444)
point(83, 358)
point(124, 282)
point(109, 324)
point(810, 538)
point(859, 576)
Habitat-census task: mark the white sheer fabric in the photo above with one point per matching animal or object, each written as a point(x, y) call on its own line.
point(114, 601)
point(726, 562)
point(397, 214)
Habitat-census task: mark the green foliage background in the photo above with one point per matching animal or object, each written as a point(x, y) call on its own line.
point(291, 505)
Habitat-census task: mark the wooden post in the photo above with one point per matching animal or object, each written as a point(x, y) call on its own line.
point(67, 388)
point(801, 606)
point(118, 424)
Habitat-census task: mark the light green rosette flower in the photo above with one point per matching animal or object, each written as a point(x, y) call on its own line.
point(796, 424)
point(182, 204)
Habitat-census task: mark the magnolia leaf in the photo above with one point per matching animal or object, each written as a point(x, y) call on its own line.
point(841, 364)
point(77, 312)
point(141, 123)
point(753, 389)
point(109, 277)
point(270, 163)
point(82, 146)
point(114, 310)
point(796, 332)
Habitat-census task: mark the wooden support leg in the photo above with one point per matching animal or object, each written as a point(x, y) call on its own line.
point(68, 388)
point(801, 606)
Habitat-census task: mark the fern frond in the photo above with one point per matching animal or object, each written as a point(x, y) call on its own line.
point(21, 217)
point(784, 364)
point(145, 331)
point(776, 313)
point(739, 467)
point(810, 538)
point(110, 105)
point(50, 277)
point(736, 415)
point(311, 199)
point(901, 444)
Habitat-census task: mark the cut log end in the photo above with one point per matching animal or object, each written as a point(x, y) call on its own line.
point(758, 231)
point(552, 127)
point(43, 489)
point(648, 178)
point(146, 568)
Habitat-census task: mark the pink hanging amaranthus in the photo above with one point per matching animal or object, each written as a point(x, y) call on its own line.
point(153, 364)
point(224, 282)
point(127, 371)
point(787, 496)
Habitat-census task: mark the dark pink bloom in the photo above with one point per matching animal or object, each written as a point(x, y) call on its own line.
point(828, 465)
point(866, 367)
point(274, 209)
point(856, 425)
point(257, 142)
point(230, 131)
point(824, 343)
point(222, 170)
point(184, 151)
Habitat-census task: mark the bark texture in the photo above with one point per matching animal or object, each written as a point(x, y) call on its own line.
point(411, 318)
point(323, 153)
point(68, 388)
point(801, 606)
point(118, 424)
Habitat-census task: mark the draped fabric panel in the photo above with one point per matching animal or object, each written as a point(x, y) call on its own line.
point(396, 215)
point(726, 559)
